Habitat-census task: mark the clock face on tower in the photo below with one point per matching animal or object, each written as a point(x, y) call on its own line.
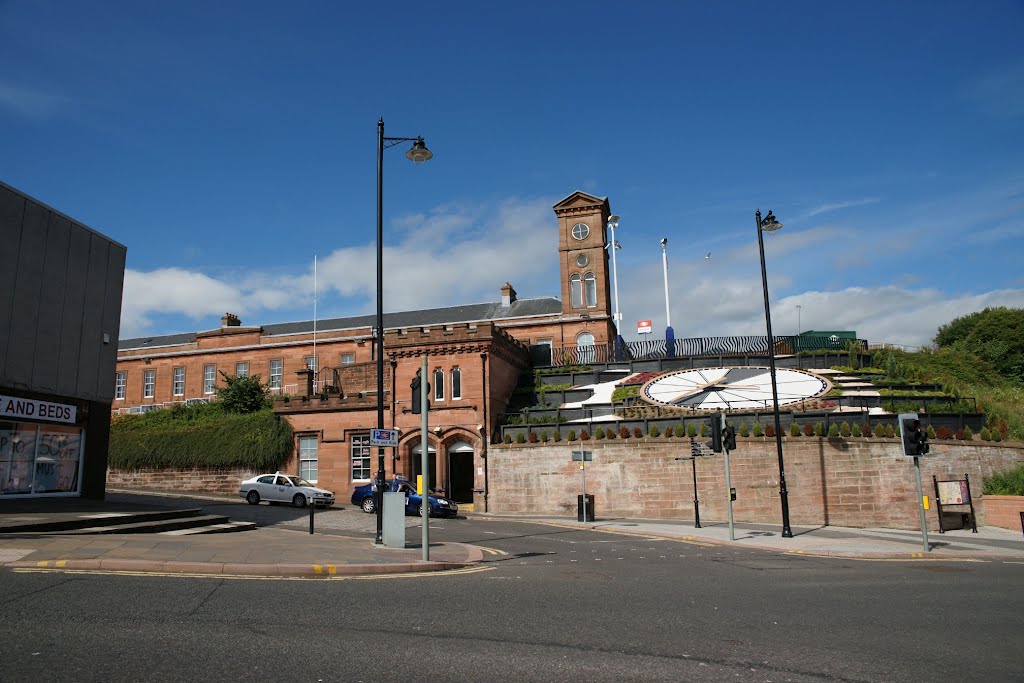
point(738, 388)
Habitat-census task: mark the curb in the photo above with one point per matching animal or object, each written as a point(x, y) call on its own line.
point(236, 569)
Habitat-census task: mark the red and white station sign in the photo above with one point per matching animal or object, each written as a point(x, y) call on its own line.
point(643, 327)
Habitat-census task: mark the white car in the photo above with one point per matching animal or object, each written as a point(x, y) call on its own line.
point(284, 488)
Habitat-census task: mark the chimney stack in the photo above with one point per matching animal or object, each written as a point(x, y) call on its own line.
point(508, 295)
point(230, 320)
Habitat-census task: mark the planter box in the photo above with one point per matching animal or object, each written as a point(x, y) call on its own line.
point(1003, 511)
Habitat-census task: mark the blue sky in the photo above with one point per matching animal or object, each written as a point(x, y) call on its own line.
point(226, 144)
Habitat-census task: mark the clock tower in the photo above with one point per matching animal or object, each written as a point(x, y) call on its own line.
point(583, 260)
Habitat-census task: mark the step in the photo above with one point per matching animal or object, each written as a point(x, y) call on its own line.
point(225, 528)
point(97, 521)
point(153, 526)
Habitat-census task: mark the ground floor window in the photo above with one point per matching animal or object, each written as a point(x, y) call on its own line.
point(360, 457)
point(309, 448)
point(40, 459)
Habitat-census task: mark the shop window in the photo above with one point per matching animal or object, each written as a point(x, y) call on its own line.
point(309, 448)
point(360, 457)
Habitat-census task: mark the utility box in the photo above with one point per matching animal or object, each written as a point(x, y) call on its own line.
point(394, 519)
point(588, 511)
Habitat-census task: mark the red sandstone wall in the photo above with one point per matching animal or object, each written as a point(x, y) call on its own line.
point(855, 483)
point(1003, 511)
point(218, 480)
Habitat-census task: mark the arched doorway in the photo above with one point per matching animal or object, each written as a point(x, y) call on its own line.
point(460, 472)
point(417, 463)
point(585, 349)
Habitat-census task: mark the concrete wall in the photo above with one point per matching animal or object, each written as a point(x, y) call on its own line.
point(60, 302)
point(852, 482)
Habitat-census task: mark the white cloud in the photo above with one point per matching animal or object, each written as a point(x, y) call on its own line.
point(174, 291)
point(31, 104)
point(835, 206)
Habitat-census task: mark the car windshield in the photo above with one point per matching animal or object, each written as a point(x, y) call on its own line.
point(296, 481)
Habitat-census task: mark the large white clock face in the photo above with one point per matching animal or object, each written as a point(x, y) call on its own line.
point(738, 388)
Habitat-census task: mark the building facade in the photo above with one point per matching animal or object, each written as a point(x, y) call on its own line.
point(325, 380)
point(60, 312)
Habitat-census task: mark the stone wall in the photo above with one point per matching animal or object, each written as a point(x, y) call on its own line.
point(851, 482)
point(1004, 511)
point(213, 480)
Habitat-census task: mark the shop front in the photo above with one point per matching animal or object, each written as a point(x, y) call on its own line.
point(41, 448)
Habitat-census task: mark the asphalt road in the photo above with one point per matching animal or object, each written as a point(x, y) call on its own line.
point(550, 604)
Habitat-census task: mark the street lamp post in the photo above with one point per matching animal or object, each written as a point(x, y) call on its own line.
point(670, 335)
point(418, 153)
point(771, 225)
point(613, 222)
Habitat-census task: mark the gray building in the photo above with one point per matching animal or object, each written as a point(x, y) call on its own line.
point(60, 309)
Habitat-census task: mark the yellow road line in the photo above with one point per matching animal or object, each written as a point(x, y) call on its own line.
point(492, 551)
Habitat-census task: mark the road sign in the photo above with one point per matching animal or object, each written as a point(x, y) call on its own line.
point(384, 437)
point(643, 327)
point(583, 456)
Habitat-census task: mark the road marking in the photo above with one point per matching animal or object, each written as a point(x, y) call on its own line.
point(329, 569)
point(244, 577)
point(492, 551)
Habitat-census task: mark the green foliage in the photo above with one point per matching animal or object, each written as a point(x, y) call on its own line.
point(986, 435)
point(968, 433)
point(242, 394)
point(833, 430)
point(200, 436)
point(930, 432)
point(1010, 483)
point(744, 430)
point(704, 428)
point(520, 438)
point(557, 436)
point(994, 334)
point(599, 434)
point(879, 431)
point(889, 432)
point(572, 435)
point(844, 429)
point(681, 431)
point(543, 436)
point(819, 429)
point(758, 430)
point(654, 431)
point(507, 439)
point(622, 393)
point(691, 429)
point(794, 429)
point(562, 370)
point(855, 431)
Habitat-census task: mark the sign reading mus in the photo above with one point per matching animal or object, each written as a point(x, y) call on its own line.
point(13, 407)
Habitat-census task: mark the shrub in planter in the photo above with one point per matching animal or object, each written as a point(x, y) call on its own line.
point(572, 435)
point(985, 434)
point(844, 429)
point(819, 429)
point(691, 429)
point(808, 429)
point(744, 429)
point(599, 434)
point(681, 431)
point(833, 430)
point(584, 435)
point(507, 439)
point(544, 436)
point(638, 433)
point(520, 438)
point(889, 432)
point(879, 431)
point(557, 436)
point(533, 437)
point(794, 429)
point(610, 434)
point(866, 429)
point(856, 429)
point(623, 432)
point(769, 430)
point(968, 433)
point(758, 430)
point(654, 431)
point(944, 433)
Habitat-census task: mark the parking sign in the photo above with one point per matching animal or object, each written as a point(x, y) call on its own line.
point(384, 437)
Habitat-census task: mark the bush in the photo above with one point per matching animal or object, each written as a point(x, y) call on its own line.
point(557, 436)
point(532, 438)
point(572, 435)
point(242, 394)
point(996, 436)
point(819, 429)
point(758, 430)
point(520, 438)
point(944, 433)
point(833, 431)
point(968, 433)
point(623, 432)
point(856, 429)
point(769, 430)
point(889, 432)
point(584, 435)
point(638, 433)
point(681, 431)
point(985, 434)
point(653, 431)
point(1010, 483)
point(599, 434)
point(808, 429)
point(544, 436)
point(610, 434)
point(844, 429)
point(794, 429)
point(744, 429)
point(866, 429)
point(507, 439)
point(879, 431)
point(930, 432)
point(691, 430)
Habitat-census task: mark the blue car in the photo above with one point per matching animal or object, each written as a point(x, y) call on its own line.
point(439, 507)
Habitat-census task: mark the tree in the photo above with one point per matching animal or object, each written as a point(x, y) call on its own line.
point(242, 394)
point(994, 334)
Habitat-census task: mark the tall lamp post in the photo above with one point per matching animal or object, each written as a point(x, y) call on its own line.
point(771, 225)
point(670, 335)
point(613, 222)
point(418, 153)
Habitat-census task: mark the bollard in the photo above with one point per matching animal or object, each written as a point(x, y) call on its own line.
point(312, 505)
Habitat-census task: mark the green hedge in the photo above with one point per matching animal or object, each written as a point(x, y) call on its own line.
point(1009, 483)
point(200, 436)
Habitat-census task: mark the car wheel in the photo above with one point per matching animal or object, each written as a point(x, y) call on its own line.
point(299, 500)
point(253, 498)
point(419, 511)
point(368, 506)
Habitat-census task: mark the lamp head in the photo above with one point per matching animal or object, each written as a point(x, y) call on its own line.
point(664, 241)
point(613, 221)
point(419, 152)
point(770, 223)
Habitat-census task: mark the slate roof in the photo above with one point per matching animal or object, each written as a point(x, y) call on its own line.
point(522, 308)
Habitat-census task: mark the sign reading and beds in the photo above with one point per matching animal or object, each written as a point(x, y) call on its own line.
point(30, 409)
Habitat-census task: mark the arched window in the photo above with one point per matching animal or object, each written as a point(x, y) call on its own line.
point(590, 283)
point(438, 384)
point(585, 350)
point(456, 383)
point(576, 290)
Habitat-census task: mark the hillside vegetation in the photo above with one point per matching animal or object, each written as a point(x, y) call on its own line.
point(200, 436)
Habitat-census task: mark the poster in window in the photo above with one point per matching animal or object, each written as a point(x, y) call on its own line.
point(17, 452)
point(57, 460)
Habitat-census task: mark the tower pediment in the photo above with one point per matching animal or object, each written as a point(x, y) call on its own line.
point(580, 200)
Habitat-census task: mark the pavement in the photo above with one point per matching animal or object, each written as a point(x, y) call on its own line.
point(343, 544)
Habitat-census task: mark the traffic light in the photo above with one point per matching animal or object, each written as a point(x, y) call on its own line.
point(417, 407)
point(730, 437)
point(716, 433)
point(921, 441)
point(915, 439)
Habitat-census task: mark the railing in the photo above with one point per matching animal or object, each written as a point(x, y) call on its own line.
point(147, 407)
point(653, 349)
